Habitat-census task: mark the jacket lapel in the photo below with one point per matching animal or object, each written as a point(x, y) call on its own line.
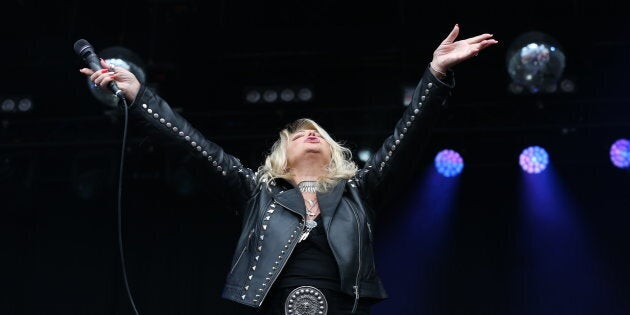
point(293, 200)
point(329, 201)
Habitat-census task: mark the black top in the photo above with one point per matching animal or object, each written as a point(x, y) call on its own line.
point(312, 263)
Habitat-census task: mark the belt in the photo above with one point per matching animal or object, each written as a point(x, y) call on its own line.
point(306, 300)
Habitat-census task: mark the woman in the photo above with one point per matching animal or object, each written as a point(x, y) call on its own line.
point(308, 212)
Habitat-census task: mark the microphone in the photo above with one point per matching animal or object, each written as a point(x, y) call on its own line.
point(86, 51)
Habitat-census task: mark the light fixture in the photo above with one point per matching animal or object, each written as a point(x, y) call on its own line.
point(534, 159)
point(120, 57)
point(620, 153)
point(364, 155)
point(449, 163)
point(535, 61)
point(16, 104)
point(276, 94)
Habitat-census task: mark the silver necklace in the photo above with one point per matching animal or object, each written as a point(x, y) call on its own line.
point(308, 186)
point(309, 224)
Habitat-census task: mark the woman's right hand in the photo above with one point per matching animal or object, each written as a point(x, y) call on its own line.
point(126, 81)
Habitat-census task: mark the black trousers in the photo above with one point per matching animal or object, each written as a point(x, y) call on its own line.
point(338, 303)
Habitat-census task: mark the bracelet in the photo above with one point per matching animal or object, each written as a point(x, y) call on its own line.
point(439, 72)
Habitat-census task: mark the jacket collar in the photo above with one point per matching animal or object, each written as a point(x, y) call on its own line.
point(292, 199)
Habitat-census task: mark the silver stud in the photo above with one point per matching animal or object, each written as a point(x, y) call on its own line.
point(162, 120)
point(149, 111)
point(397, 142)
point(175, 129)
point(254, 267)
point(214, 163)
point(144, 106)
point(412, 117)
point(219, 168)
point(393, 147)
point(430, 84)
point(426, 91)
point(204, 153)
point(402, 135)
point(408, 123)
point(416, 111)
point(169, 125)
point(181, 133)
point(264, 227)
point(224, 173)
point(404, 129)
point(187, 138)
point(387, 158)
point(246, 288)
point(422, 98)
point(156, 116)
point(194, 144)
point(199, 148)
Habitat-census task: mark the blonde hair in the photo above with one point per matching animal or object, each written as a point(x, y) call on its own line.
point(340, 166)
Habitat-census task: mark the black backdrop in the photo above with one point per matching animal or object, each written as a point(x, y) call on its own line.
point(59, 170)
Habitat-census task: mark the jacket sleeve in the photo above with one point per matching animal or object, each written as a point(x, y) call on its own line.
point(383, 175)
point(158, 119)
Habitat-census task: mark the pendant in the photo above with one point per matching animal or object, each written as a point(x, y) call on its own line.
point(310, 224)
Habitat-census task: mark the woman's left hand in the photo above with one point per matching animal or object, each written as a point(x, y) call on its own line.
point(451, 52)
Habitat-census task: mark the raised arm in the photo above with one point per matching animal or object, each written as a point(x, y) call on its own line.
point(158, 117)
point(400, 151)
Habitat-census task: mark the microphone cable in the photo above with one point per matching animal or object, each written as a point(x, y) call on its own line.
point(120, 177)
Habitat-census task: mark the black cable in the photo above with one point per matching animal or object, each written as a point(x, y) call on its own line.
point(120, 176)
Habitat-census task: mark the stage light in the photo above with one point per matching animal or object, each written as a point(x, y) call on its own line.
point(536, 62)
point(305, 94)
point(8, 105)
point(287, 95)
point(25, 104)
point(270, 96)
point(252, 96)
point(534, 159)
point(620, 153)
point(120, 57)
point(364, 155)
point(449, 163)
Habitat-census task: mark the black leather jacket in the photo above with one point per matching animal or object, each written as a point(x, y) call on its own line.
point(273, 213)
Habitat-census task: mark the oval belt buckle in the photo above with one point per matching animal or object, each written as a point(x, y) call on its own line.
point(306, 300)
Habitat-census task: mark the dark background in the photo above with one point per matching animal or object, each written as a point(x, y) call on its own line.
point(60, 162)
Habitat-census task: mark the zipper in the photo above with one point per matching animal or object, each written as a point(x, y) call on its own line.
point(356, 282)
point(243, 251)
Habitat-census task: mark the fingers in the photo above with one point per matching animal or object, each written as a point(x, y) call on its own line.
point(478, 38)
point(452, 35)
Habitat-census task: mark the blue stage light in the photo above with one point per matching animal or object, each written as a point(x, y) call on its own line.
point(449, 163)
point(534, 159)
point(620, 153)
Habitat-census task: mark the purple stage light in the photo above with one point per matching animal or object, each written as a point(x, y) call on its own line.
point(534, 159)
point(449, 163)
point(620, 153)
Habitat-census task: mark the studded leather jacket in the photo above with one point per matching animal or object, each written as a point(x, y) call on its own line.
point(273, 213)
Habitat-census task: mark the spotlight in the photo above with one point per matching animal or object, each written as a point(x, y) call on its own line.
point(16, 104)
point(305, 94)
point(620, 153)
point(536, 61)
point(8, 105)
point(120, 57)
point(270, 96)
point(449, 163)
point(252, 96)
point(25, 104)
point(364, 155)
point(287, 95)
point(534, 159)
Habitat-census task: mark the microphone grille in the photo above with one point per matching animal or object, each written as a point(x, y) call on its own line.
point(81, 45)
